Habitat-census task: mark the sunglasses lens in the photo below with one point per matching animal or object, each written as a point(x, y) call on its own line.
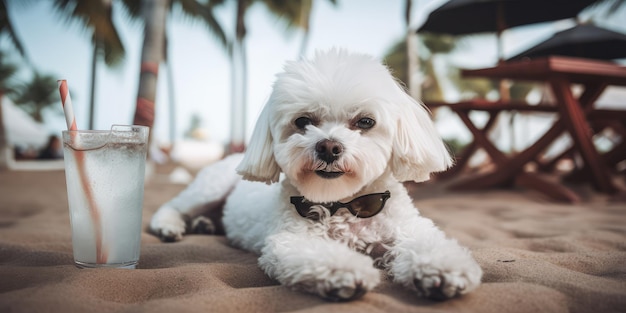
point(368, 206)
point(364, 206)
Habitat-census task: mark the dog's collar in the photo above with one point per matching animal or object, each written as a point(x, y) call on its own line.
point(364, 206)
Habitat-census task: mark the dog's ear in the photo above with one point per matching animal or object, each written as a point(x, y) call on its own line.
point(258, 163)
point(418, 149)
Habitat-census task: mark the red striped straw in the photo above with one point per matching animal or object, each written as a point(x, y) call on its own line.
point(66, 102)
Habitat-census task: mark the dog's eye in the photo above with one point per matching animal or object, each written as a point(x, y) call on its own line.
point(365, 123)
point(302, 122)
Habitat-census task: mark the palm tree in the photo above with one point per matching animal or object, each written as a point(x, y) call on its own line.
point(97, 16)
point(154, 13)
point(398, 61)
point(7, 70)
point(297, 15)
point(37, 95)
point(413, 86)
point(239, 81)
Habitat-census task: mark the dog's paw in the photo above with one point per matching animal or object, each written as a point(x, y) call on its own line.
point(344, 285)
point(202, 225)
point(308, 263)
point(441, 274)
point(343, 281)
point(168, 224)
point(437, 284)
point(346, 293)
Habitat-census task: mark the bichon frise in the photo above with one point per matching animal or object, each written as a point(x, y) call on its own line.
point(345, 136)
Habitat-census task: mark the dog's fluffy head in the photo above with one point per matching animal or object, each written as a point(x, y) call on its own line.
point(337, 122)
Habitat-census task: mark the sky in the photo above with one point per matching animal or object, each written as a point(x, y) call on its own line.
point(201, 70)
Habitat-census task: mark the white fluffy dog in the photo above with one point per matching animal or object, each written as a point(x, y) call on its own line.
point(345, 135)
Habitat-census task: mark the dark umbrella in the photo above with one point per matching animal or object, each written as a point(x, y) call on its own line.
point(584, 41)
point(462, 17)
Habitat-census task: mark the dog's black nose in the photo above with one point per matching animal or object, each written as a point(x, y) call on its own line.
point(328, 150)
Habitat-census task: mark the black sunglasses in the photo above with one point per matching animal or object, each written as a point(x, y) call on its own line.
point(363, 206)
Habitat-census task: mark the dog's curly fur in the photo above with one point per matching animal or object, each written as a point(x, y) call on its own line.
point(380, 137)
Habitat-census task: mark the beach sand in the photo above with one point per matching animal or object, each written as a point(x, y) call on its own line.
point(537, 256)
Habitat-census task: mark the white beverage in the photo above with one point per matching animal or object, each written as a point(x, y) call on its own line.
point(106, 170)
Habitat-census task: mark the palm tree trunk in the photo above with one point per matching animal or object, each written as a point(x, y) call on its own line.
point(238, 98)
point(170, 92)
point(155, 13)
point(412, 57)
point(305, 12)
point(239, 86)
point(304, 44)
point(92, 92)
point(4, 147)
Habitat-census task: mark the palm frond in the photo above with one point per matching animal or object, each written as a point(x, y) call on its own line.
point(6, 26)
point(295, 13)
point(7, 73)
point(204, 12)
point(97, 16)
point(38, 94)
point(133, 8)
